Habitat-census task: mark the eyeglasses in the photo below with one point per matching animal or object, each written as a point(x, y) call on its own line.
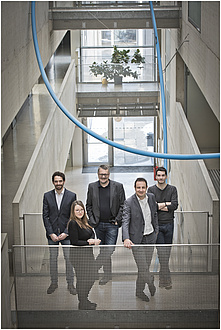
point(103, 174)
point(79, 210)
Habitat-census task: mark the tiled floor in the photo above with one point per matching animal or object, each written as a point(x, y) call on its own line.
point(189, 292)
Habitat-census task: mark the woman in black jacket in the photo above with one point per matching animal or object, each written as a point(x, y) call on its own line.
point(82, 258)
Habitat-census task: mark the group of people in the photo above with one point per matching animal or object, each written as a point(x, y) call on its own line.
point(147, 217)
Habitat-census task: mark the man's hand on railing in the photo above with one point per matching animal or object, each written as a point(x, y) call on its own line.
point(93, 241)
point(127, 243)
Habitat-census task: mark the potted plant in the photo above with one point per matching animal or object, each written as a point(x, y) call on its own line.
point(118, 67)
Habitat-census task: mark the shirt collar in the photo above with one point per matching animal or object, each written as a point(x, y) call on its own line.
point(142, 200)
point(62, 193)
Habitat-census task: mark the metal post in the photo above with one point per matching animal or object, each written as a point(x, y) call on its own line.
point(209, 241)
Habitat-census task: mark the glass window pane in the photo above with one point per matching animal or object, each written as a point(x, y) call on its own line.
point(97, 150)
point(134, 132)
point(125, 36)
point(97, 46)
point(194, 13)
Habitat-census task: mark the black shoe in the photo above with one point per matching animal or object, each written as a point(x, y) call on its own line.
point(93, 304)
point(52, 288)
point(104, 280)
point(142, 296)
point(165, 284)
point(72, 289)
point(168, 285)
point(152, 289)
point(162, 283)
point(87, 305)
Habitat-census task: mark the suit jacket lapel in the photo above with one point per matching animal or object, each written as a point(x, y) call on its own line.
point(138, 206)
point(63, 199)
point(54, 199)
point(95, 192)
point(151, 207)
point(112, 186)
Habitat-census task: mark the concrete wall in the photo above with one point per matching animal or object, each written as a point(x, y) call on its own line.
point(19, 68)
point(50, 155)
point(202, 53)
point(5, 285)
point(195, 188)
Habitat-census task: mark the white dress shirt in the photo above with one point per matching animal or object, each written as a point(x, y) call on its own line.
point(59, 198)
point(148, 228)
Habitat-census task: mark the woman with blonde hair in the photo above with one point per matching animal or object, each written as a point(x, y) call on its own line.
point(82, 258)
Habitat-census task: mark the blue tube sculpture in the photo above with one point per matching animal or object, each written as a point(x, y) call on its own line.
point(86, 129)
point(162, 93)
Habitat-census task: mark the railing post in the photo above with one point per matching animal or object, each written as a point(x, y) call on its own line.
point(22, 235)
point(209, 241)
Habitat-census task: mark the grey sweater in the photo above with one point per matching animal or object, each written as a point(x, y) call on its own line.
point(168, 194)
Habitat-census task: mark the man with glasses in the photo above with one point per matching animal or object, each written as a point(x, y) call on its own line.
point(105, 200)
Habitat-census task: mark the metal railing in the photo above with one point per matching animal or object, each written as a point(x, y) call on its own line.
point(190, 227)
point(146, 71)
point(193, 227)
point(194, 289)
point(113, 4)
point(194, 267)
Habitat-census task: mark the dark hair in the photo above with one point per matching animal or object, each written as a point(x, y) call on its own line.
point(140, 179)
point(83, 222)
point(104, 167)
point(161, 169)
point(58, 174)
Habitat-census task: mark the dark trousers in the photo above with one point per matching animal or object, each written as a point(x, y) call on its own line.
point(54, 261)
point(82, 259)
point(107, 233)
point(143, 256)
point(165, 236)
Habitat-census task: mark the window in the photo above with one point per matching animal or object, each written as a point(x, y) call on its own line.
point(134, 132)
point(97, 45)
point(194, 14)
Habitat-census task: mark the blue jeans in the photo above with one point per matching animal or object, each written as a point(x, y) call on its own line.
point(54, 262)
point(107, 233)
point(165, 236)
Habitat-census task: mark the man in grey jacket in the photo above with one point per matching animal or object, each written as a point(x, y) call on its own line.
point(105, 200)
point(140, 226)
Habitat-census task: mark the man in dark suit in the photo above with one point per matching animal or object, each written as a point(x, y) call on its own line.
point(105, 200)
point(140, 226)
point(56, 214)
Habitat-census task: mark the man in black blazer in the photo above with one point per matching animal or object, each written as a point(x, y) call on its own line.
point(105, 200)
point(140, 226)
point(56, 214)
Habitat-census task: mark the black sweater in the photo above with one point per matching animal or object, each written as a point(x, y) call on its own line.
point(168, 194)
point(79, 236)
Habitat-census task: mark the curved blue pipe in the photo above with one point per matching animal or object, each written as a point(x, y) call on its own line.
point(162, 93)
point(86, 129)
